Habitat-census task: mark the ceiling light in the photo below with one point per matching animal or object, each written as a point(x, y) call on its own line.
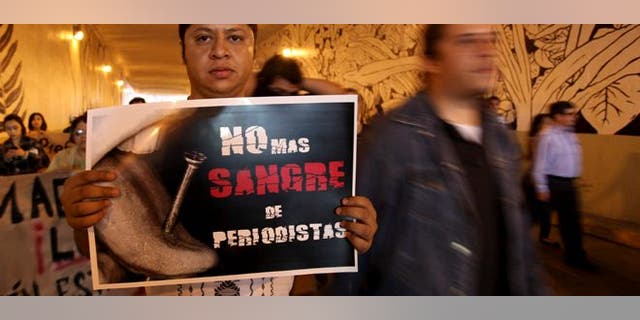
point(106, 68)
point(77, 32)
point(120, 83)
point(293, 52)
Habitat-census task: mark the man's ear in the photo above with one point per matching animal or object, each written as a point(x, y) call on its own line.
point(184, 61)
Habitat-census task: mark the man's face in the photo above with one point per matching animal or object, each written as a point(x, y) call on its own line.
point(567, 118)
point(464, 61)
point(219, 58)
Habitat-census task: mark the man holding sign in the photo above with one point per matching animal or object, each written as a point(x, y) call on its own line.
point(218, 60)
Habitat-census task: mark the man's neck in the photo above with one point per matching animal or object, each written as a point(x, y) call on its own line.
point(456, 109)
point(195, 95)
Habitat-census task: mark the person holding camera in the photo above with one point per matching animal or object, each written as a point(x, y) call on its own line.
point(21, 154)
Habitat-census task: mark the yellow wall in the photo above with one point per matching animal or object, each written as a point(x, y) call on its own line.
point(60, 77)
point(594, 66)
point(609, 185)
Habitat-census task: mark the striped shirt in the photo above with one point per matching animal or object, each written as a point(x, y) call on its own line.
point(277, 286)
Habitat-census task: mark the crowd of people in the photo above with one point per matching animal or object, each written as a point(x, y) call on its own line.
point(438, 210)
point(26, 152)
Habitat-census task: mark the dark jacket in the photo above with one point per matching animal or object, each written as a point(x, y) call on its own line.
point(428, 226)
point(37, 159)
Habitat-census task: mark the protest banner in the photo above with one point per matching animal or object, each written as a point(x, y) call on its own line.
point(37, 252)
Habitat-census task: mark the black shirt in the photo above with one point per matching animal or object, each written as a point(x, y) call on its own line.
point(486, 198)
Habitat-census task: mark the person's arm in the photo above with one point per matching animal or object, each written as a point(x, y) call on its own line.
point(22, 153)
point(85, 203)
point(320, 86)
point(56, 162)
point(540, 159)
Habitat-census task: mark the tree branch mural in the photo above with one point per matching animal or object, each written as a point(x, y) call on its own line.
point(379, 61)
point(11, 91)
point(595, 66)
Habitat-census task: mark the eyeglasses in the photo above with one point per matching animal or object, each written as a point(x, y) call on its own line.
point(79, 133)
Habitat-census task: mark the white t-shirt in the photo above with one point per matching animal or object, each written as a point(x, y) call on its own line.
point(279, 286)
point(469, 132)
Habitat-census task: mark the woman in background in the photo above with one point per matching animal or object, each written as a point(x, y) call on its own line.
point(21, 154)
point(73, 158)
point(37, 126)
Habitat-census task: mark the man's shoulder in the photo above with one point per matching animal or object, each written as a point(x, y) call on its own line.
point(412, 112)
point(550, 133)
point(415, 105)
point(399, 119)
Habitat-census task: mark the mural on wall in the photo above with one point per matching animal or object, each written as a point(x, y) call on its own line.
point(11, 91)
point(380, 62)
point(597, 67)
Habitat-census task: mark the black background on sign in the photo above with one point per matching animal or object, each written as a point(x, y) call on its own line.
point(329, 128)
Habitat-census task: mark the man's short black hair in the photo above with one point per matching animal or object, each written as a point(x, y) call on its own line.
point(137, 100)
point(182, 29)
point(559, 107)
point(433, 34)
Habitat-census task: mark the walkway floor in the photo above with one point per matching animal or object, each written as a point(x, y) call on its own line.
point(618, 269)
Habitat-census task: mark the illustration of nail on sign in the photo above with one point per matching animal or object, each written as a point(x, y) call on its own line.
point(194, 159)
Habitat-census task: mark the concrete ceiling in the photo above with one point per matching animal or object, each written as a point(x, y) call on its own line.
point(150, 54)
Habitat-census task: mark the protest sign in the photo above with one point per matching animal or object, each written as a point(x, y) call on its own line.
point(223, 189)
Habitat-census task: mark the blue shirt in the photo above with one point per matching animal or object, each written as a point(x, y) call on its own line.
point(558, 154)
